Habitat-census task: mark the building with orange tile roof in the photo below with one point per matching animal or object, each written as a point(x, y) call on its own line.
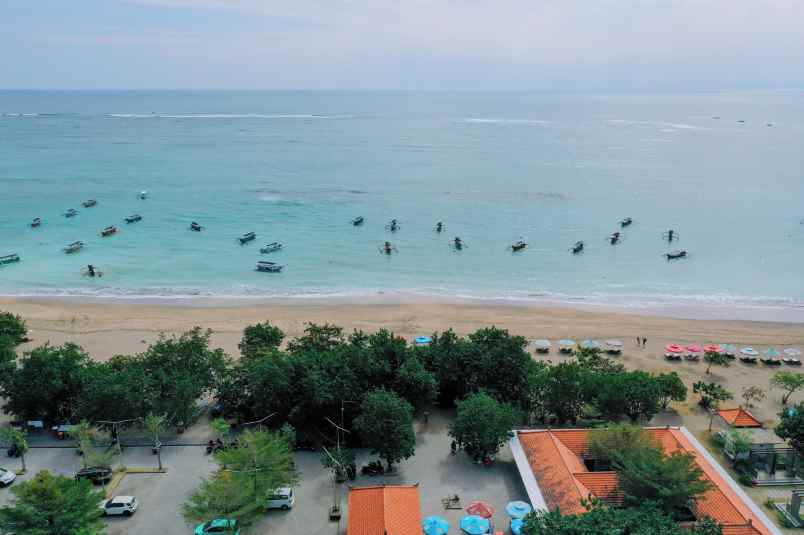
point(384, 510)
point(739, 417)
point(551, 464)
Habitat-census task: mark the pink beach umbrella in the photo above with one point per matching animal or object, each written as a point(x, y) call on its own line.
point(694, 348)
point(713, 348)
point(481, 509)
point(674, 348)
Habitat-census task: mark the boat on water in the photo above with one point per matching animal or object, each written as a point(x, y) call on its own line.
point(439, 227)
point(674, 255)
point(626, 222)
point(143, 194)
point(388, 248)
point(614, 239)
point(196, 227)
point(74, 247)
point(670, 235)
point(37, 222)
point(271, 247)
point(458, 244)
point(518, 245)
point(72, 212)
point(270, 267)
point(108, 231)
point(89, 203)
point(247, 237)
point(9, 258)
point(133, 218)
point(393, 225)
point(577, 248)
point(357, 221)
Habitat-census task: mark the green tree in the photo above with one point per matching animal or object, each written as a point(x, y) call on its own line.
point(262, 463)
point(534, 402)
point(8, 356)
point(605, 443)
point(790, 382)
point(791, 426)
point(86, 437)
point(317, 339)
point(52, 505)
point(592, 359)
point(482, 424)
point(415, 384)
point(16, 438)
point(673, 482)
point(156, 424)
point(712, 394)
point(567, 391)
point(13, 327)
point(260, 338)
point(386, 426)
point(114, 390)
point(636, 394)
point(672, 388)
point(752, 394)
point(47, 383)
point(715, 358)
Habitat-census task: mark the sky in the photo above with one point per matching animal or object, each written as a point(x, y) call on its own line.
point(545, 45)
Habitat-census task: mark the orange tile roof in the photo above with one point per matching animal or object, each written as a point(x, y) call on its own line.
point(739, 417)
point(555, 457)
point(384, 510)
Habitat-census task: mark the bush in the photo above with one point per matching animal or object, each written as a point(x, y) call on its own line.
point(13, 327)
point(746, 479)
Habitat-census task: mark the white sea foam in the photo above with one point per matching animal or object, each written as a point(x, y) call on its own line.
point(226, 116)
point(495, 120)
point(662, 124)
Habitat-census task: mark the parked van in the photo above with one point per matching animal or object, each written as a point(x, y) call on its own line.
point(281, 498)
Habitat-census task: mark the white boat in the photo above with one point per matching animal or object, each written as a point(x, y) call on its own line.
point(247, 237)
point(269, 267)
point(72, 212)
point(133, 218)
point(9, 258)
point(271, 247)
point(89, 203)
point(143, 194)
point(74, 247)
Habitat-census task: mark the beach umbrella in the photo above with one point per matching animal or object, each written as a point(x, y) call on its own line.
point(480, 508)
point(713, 348)
point(590, 344)
point(516, 526)
point(674, 348)
point(614, 344)
point(518, 509)
point(749, 351)
point(694, 348)
point(475, 525)
point(542, 344)
point(772, 353)
point(423, 340)
point(566, 342)
point(729, 349)
point(435, 525)
point(792, 352)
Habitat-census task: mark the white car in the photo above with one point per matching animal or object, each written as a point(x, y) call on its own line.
point(7, 477)
point(119, 505)
point(281, 498)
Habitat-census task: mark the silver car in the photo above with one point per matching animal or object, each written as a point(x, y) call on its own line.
point(119, 505)
point(7, 477)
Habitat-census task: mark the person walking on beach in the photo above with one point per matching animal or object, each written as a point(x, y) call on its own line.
point(644, 342)
point(639, 341)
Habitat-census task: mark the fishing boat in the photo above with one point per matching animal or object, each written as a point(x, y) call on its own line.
point(9, 258)
point(518, 245)
point(74, 247)
point(670, 235)
point(108, 231)
point(393, 225)
point(676, 255)
point(577, 248)
point(614, 239)
point(626, 222)
point(387, 248)
point(196, 227)
point(357, 221)
point(133, 218)
point(89, 203)
point(37, 221)
point(247, 237)
point(143, 194)
point(458, 244)
point(269, 267)
point(72, 212)
point(271, 247)
point(439, 226)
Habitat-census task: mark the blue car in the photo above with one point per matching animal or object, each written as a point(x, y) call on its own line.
point(219, 525)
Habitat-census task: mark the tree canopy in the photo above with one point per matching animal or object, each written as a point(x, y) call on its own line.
point(791, 426)
point(385, 425)
point(483, 424)
point(260, 338)
point(790, 382)
point(13, 327)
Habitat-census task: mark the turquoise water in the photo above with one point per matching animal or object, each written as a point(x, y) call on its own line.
point(296, 167)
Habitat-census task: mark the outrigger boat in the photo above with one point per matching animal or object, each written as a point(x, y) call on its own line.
point(670, 235)
point(357, 221)
point(247, 237)
point(393, 226)
point(387, 248)
point(72, 212)
point(143, 194)
point(626, 222)
point(269, 267)
point(518, 245)
point(271, 247)
point(37, 221)
point(577, 248)
point(9, 258)
point(74, 247)
point(108, 231)
point(614, 239)
point(458, 244)
point(675, 255)
point(133, 218)
point(439, 226)
point(89, 203)
point(196, 227)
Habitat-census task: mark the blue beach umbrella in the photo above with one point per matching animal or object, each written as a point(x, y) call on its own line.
point(475, 525)
point(423, 340)
point(772, 353)
point(516, 526)
point(590, 344)
point(435, 525)
point(518, 509)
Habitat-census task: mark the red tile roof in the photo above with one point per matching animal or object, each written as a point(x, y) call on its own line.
point(384, 510)
point(739, 418)
point(555, 457)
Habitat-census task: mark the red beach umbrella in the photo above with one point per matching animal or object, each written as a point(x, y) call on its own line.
point(480, 508)
point(713, 348)
point(694, 348)
point(674, 348)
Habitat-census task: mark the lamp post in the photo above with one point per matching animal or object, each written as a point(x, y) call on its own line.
point(115, 436)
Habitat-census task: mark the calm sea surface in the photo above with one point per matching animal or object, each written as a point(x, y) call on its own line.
point(296, 167)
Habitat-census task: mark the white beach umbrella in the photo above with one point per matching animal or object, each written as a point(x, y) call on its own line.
point(749, 351)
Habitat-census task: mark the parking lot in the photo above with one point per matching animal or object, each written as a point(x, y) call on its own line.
point(437, 472)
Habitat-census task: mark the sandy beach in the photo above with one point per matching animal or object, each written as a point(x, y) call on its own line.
point(108, 329)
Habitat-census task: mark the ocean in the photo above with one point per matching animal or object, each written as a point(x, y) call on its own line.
point(725, 171)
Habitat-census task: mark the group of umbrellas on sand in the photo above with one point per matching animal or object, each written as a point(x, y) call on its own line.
point(478, 519)
point(566, 346)
point(748, 354)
